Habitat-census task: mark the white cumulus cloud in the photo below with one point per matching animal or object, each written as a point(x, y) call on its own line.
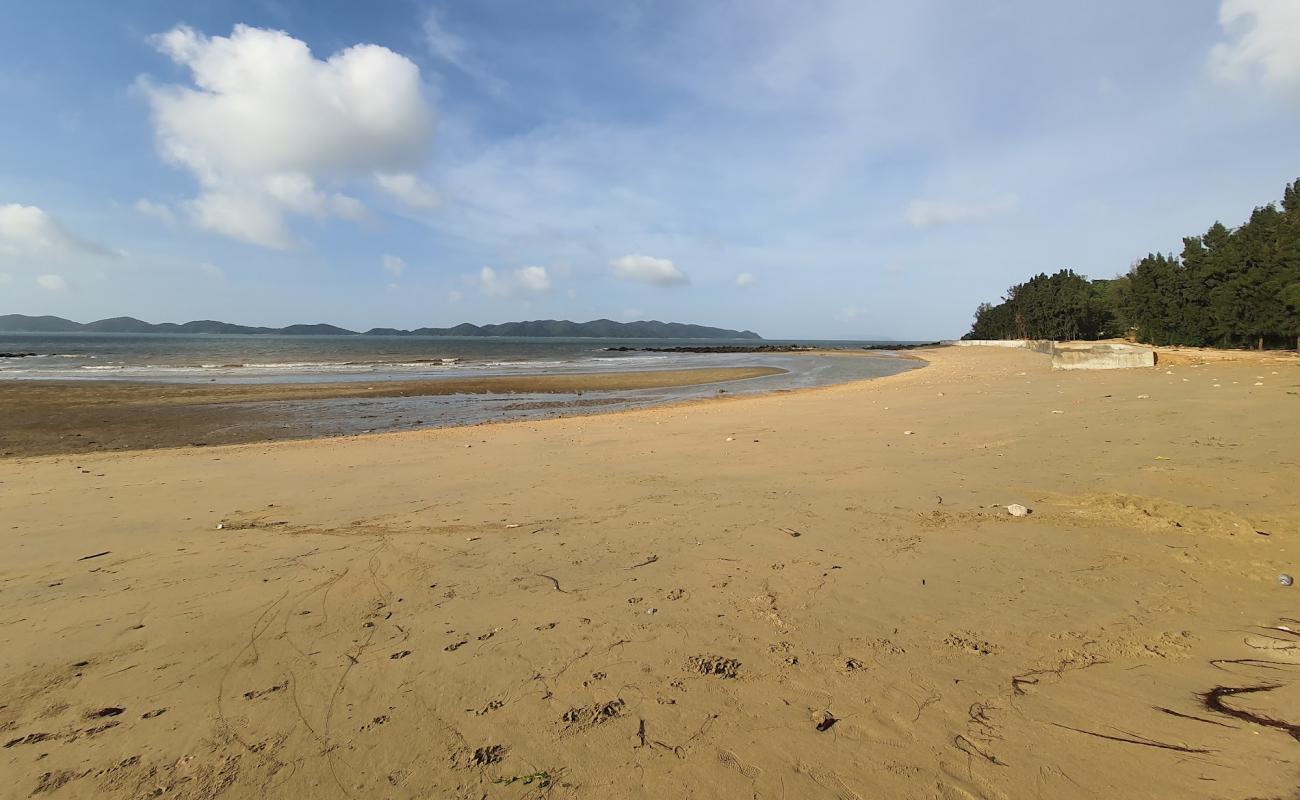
point(393, 265)
point(1263, 43)
point(521, 281)
point(28, 230)
point(931, 213)
point(534, 279)
point(265, 124)
point(648, 269)
point(745, 279)
point(54, 283)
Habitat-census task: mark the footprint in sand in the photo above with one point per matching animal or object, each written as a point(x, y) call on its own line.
point(830, 781)
point(970, 644)
point(714, 665)
point(730, 760)
point(492, 754)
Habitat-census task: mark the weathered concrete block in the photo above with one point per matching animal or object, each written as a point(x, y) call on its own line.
point(1101, 356)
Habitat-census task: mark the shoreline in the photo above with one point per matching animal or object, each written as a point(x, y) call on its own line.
point(72, 417)
point(63, 417)
point(361, 616)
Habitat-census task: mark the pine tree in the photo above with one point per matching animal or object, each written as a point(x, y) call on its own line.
point(1228, 288)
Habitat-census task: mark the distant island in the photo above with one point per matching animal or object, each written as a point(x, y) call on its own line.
point(596, 329)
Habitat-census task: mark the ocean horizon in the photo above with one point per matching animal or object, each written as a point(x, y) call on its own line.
point(293, 358)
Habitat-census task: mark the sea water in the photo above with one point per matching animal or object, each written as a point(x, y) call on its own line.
point(269, 358)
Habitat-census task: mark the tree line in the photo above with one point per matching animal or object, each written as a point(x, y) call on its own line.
point(1228, 288)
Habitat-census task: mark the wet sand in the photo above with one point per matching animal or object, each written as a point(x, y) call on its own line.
point(48, 417)
point(817, 594)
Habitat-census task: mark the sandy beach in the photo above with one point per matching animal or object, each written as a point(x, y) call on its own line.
point(816, 594)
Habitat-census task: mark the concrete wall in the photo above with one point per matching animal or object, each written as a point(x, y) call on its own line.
point(991, 342)
point(1102, 356)
point(1076, 355)
point(1037, 345)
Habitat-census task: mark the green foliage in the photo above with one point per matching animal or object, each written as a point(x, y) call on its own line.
point(1228, 288)
point(1061, 306)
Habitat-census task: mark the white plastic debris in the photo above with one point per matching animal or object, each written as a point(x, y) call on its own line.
point(1285, 579)
point(1017, 510)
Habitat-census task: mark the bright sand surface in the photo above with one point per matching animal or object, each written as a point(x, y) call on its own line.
point(618, 606)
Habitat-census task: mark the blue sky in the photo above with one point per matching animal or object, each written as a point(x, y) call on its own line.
point(803, 169)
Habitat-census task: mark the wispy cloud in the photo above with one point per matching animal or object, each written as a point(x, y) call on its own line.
point(454, 50)
point(930, 213)
point(409, 189)
point(157, 211)
point(522, 281)
point(393, 265)
point(53, 283)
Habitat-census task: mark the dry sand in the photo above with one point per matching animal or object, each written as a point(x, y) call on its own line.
point(619, 607)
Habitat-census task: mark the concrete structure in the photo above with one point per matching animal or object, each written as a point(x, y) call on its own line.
point(1087, 355)
point(991, 342)
point(1037, 345)
point(1076, 355)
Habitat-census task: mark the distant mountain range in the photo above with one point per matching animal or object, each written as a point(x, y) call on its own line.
point(596, 329)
